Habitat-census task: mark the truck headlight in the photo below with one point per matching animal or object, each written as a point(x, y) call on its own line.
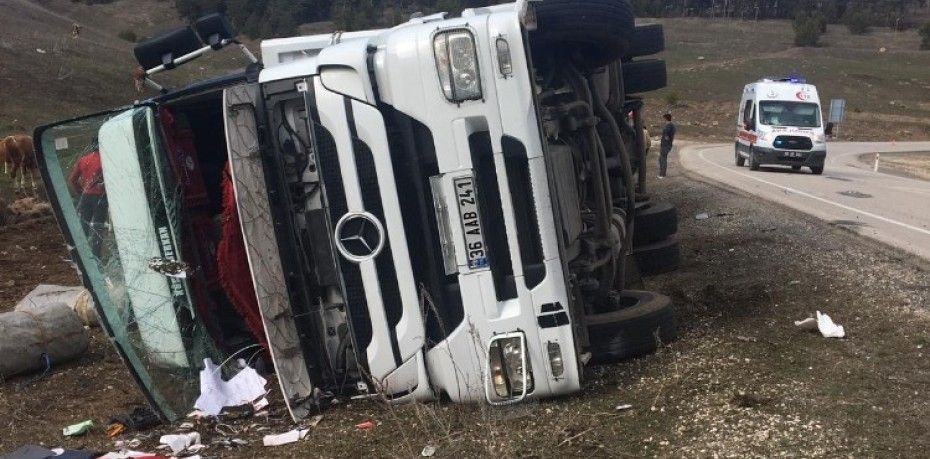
point(457, 65)
point(510, 372)
point(820, 138)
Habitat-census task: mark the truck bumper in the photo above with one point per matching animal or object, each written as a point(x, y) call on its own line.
point(770, 156)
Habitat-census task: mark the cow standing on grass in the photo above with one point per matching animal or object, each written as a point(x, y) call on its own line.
point(16, 152)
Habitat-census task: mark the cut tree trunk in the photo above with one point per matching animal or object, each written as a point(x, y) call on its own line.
point(29, 334)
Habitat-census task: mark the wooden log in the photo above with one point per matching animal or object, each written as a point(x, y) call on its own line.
point(29, 333)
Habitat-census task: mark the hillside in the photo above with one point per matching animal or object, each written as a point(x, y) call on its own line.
point(46, 74)
point(709, 61)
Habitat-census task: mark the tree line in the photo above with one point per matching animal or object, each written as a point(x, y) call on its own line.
point(276, 18)
point(891, 13)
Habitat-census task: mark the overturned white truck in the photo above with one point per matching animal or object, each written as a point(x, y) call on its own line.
point(440, 210)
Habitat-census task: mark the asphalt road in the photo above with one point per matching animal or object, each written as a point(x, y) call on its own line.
point(894, 210)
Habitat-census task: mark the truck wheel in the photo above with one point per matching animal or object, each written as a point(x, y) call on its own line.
point(644, 75)
point(598, 30)
point(646, 40)
point(753, 163)
point(740, 161)
point(636, 326)
point(659, 257)
point(817, 170)
point(653, 222)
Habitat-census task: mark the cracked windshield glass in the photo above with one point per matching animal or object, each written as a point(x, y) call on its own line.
point(122, 206)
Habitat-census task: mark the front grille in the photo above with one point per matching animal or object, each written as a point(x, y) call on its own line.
point(356, 301)
point(384, 262)
point(413, 158)
point(492, 215)
point(792, 142)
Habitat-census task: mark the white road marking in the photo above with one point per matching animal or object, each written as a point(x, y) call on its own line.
point(817, 198)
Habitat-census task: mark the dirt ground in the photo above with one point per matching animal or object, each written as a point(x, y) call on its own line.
point(742, 381)
point(911, 164)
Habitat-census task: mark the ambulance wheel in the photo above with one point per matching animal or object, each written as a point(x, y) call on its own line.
point(753, 163)
point(658, 258)
point(636, 324)
point(598, 31)
point(740, 161)
point(654, 221)
point(817, 170)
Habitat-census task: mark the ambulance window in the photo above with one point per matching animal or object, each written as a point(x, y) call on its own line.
point(747, 111)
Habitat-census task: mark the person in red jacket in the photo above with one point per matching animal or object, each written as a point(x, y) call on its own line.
point(86, 182)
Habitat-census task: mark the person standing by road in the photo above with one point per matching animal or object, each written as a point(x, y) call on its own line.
point(668, 137)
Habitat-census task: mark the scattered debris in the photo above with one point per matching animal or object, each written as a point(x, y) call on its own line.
point(367, 425)
point(130, 454)
point(623, 407)
point(141, 418)
point(794, 282)
point(822, 323)
point(702, 216)
point(428, 451)
point(290, 436)
point(80, 428)
point(247, 387)
point(747, 339)
point(182, 442)
point(41, 51)
point(315, 420)
point(128, 444)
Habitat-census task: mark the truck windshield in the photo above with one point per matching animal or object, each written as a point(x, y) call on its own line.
point(121, 211)
point(794, 114)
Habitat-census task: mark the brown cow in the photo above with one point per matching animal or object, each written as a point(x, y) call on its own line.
point(20, 156)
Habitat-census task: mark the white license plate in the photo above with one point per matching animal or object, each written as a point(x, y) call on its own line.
point(794, 154)
point(467, 198)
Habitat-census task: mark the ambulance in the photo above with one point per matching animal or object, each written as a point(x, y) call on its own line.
point(780, 123)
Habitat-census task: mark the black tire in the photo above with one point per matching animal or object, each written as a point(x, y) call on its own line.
point(753, 163)
point(635, 327)
point(644, 75)
point(654, 221)
point(597, 30)
point(647, 39)
point(658, 258)
point(817, 170)
point(740, 161)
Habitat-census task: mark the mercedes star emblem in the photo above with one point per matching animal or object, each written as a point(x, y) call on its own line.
point(359, 236)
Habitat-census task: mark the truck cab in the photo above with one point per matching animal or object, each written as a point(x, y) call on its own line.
point(780, 122)
point(426, 212)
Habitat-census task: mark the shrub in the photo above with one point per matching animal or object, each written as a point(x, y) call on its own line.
point(129, 36)
point(857, 21)
point(672, 98)
point(807, 30)
point(924, 32)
